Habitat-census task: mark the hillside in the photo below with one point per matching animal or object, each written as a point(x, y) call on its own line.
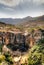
point(16, 20)
point(36, 22)
point(23, 20)
point(26, 48)
point(36, 54)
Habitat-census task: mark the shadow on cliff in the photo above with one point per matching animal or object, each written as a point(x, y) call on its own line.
point(20, 47)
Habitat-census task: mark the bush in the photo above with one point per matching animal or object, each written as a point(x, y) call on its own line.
point(36, 55)
point(2, 58)
point(1, 47)
point(8, 58)
point(41, 41)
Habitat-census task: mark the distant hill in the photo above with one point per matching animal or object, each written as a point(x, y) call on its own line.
point(35, 21)
point(23, 20)
point(15, 21)
point(2, 23)
point(40, 18)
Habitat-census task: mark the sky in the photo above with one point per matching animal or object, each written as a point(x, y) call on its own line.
point(21, 8)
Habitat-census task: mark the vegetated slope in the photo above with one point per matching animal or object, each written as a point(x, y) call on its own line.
point(6, 27)
point(4, 24)
point(36, 54)
point(40, 18)
point(26, 22)
point(36, 21)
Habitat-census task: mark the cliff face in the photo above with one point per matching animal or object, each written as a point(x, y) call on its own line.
point(19, 39)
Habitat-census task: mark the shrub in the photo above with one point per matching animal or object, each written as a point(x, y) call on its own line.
point(2, 58)
point(8, 58)
point(36, 55)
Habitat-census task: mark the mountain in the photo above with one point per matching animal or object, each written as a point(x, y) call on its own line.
point(22, 20)
point(40, 18)
point(15, 21)
point(34, 22)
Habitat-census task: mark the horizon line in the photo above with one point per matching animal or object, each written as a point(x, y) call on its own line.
point(22, 17)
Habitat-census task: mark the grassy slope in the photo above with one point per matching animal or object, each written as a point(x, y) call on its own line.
point(36, 55)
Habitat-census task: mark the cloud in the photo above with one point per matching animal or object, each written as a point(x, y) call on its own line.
point(38, 2)
point(10, 2)
point(14, 3)
point(21, 8)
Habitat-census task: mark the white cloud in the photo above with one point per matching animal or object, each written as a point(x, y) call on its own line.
point(38, 1)
point(12, 3)
point(12, 8)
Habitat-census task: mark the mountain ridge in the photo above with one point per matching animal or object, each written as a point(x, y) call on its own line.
point(21, 20)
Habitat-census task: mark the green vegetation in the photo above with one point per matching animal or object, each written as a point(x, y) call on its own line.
point(41, 41)
point(36, 54)
point(6, 59)
point(1, 45)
